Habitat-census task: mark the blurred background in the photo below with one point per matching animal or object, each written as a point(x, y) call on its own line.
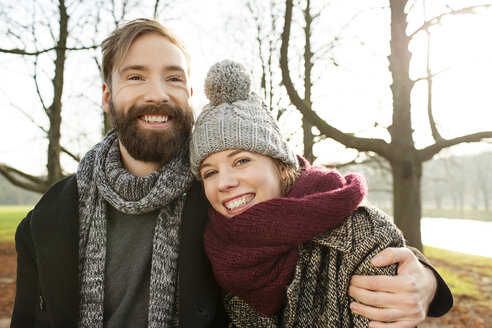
point(397, 90)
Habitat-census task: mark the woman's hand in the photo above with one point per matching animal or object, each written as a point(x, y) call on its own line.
point(400, 301)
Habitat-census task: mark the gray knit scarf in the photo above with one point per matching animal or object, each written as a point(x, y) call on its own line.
point(101, 178)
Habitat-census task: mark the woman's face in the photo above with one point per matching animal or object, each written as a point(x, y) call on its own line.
point(235, 180)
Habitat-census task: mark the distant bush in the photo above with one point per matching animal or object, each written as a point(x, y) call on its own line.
point(13, 195)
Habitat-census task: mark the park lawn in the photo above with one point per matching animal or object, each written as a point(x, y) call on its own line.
point(10, 216)
point(467, 275)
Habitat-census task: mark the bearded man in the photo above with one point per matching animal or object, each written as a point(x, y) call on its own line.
point(120, 243)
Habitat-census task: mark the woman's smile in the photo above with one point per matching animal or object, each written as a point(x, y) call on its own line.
point(235, 180)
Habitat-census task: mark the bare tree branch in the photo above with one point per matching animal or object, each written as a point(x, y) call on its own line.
point(430, 115)
point(436, 20)
point(156, 8)
point(35, 78)
point(23, 180)
point(429, 152)
point(363, 144)
point(72, 155)
point(39, 52)
point(23, 112)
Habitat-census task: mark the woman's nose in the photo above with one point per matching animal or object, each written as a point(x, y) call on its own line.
point(227, 181)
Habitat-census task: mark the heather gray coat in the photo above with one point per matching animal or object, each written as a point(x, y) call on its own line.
point(318, 295)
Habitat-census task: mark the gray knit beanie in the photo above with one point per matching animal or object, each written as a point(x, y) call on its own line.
point(235, 118)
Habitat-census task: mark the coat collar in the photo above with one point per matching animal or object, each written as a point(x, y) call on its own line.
point(341, 237)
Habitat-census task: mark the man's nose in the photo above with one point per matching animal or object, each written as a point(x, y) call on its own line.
point(156, 93)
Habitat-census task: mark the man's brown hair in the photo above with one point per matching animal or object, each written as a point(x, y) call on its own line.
point(116, 45)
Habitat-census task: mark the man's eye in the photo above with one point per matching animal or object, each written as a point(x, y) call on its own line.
point(134, 78)
point(176, 79)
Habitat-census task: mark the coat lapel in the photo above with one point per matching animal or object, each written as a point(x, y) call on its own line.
point(198, 291)
point(55, 235)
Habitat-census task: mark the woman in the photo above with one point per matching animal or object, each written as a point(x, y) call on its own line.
point(284, 237)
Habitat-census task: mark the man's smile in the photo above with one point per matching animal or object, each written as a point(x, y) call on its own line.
point(154, 118)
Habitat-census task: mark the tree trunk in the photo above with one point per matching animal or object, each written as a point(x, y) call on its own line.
point(407, 175)
point(405, 159)
point(405, 162)
point(308, 136)
point(54, 112)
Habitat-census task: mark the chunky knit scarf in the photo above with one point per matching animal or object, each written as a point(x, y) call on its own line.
point(254, 254)
point(100, 179)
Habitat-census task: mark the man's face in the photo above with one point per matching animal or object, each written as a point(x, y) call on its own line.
point(149, 102)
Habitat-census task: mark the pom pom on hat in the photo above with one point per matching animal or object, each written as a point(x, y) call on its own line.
point(227, 82)
point(236, 118)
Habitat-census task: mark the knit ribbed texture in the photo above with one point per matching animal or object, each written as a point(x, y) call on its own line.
point(318, 294)
point(101, 178)
point(236, 118)
point(254, 254)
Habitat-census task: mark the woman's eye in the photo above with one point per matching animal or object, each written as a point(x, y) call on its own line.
point(243, 161)
point(208, 174)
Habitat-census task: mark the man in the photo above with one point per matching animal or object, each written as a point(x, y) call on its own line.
point(120, 244)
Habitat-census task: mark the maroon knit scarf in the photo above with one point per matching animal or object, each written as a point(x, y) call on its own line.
point(254, 254)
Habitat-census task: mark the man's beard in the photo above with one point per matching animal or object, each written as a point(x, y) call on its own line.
point(152, 145)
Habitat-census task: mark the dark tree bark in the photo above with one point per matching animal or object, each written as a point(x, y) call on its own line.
point(58, 53)
point(53, 112)
point(307, 126)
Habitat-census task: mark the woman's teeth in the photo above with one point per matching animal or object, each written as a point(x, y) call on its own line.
point(238, 202)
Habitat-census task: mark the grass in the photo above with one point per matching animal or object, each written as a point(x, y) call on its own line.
point(465, 274)
point(10, 216)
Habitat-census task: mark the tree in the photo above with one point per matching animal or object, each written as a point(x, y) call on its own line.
point(57, 52)
point(48, 57)
point(405, 159)
point(266, 16)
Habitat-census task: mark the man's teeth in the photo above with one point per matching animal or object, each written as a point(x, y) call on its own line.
point(239, 202)
point(155, 118)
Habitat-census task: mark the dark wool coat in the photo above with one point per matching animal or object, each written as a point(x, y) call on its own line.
point(318, 295)
point(47, 263)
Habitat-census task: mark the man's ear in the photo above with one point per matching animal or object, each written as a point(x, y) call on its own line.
point(106, 97)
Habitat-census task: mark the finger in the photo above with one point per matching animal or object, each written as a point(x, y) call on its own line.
point(392, 255)
point(389, 284)
point(377, 314)
point(371, 298)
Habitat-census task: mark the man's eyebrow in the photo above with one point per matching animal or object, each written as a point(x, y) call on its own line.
point(175, 68)
point(133, 68)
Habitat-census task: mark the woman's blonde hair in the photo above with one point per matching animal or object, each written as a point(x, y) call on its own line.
point(288, 175)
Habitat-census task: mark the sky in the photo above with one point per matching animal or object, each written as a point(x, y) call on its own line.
point(353, 95)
